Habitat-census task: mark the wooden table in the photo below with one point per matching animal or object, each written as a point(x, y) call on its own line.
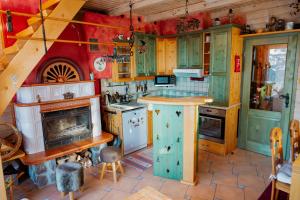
point(148, 193)
point(40, 157)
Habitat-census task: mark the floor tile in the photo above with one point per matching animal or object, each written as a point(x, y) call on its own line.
point(201, 191)
point(174, 189)
point(116, 195)
point(252, 194)
point(224, 179)
point(204, 178)
point(248, 180)
point(224, 192)
point(244, 168)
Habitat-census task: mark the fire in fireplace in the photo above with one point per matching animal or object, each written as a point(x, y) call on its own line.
point(66, 126)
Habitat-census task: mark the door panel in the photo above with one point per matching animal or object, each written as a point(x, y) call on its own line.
point(219, 48)
point(139, 57)
point(171, 55)
point(195, 51)
point(150, 63)
point(269, 66)
point(217, 88)
point(182, 52)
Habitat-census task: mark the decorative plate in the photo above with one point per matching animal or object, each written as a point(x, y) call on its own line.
point(99, 64)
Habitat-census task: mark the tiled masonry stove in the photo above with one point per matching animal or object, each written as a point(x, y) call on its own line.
point(48, 121)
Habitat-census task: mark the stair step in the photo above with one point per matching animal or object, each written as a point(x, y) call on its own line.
point(49, 3)
point(26, 32)
point(33, 20)
point(11, 50)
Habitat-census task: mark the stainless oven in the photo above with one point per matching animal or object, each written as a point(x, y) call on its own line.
point(211, 124)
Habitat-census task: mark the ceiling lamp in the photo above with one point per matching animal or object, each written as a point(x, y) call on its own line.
point(184, 24)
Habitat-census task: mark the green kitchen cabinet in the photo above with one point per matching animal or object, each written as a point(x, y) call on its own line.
point(221, 64)
point(146, 61)
point(168, 141)
point(189, 52)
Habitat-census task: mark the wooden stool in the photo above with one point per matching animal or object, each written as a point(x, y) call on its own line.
point(69, 178)
point(111, 158)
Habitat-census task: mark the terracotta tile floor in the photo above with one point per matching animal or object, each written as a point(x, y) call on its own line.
point(241, 176)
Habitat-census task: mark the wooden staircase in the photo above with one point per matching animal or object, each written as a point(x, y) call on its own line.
point(18, 60)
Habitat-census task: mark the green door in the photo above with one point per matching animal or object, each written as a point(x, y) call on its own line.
point(269, 66)
point(182, 52)
point(150, 64)
point(195, 47)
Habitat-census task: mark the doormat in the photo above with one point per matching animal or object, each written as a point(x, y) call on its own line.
point(141, 160)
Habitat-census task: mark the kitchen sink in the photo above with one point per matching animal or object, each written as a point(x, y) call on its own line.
point(128, 106)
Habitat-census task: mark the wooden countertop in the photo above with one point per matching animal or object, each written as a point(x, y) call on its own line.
point(40, 157)
point(184, 101)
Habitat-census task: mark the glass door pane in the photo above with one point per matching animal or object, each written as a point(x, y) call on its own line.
point(267, 78)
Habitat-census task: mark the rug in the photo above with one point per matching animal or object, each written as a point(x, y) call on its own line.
point(266, 195)
point(140, 160)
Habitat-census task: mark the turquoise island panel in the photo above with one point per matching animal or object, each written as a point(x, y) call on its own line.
point(168, 141)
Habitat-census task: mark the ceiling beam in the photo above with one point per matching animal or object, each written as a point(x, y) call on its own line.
point(124, 8)
point(197, 7)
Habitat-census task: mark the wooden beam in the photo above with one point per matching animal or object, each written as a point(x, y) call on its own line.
point(50, 17)
point(124, 8)
point(70, 41)
point(2, 183)
point(193, 8)
point(26, 59)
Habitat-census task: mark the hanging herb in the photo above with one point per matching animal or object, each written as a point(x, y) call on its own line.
point(295, 8)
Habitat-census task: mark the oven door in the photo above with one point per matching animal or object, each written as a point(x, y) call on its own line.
point(212, 128)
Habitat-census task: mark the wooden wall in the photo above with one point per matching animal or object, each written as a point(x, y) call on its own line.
point(257, 13)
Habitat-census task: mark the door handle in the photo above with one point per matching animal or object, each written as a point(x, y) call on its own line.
point(287, 99)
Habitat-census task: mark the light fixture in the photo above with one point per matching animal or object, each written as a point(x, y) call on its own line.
point(9, 24)
point(184, 24)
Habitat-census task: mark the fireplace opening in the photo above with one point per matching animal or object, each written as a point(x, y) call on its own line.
point(66, 126)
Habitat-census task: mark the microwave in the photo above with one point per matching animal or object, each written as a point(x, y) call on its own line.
point(165, 80)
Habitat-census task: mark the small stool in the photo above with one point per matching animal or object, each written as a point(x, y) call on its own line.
point(69, 178)
point(110, 156)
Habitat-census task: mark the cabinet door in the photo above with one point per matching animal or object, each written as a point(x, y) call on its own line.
point(171, 55)
point(139, 57)
point(167, 141)
point(219, 50)
point(195, 51)
point(150, 63)
point(182, 52)
point(161, 55)
point(218, 89)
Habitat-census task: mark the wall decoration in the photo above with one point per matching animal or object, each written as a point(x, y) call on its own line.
point(185, 24)
point(295, 8)
point(100, 64)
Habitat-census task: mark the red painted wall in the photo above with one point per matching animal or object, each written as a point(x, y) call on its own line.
point(81, 54)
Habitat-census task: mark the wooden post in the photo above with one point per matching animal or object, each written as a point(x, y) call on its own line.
point(2, 183)
point(295, 192)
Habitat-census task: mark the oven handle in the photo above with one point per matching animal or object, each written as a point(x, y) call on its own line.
point(213, 118)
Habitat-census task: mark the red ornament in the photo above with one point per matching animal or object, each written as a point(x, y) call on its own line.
point(237, 65)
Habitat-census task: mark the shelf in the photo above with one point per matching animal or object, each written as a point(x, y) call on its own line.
point(123, 72)
point(207, 53)
point(270, 33)
point(38, 158)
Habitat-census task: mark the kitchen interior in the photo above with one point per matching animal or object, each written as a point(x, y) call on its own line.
point(162, 100)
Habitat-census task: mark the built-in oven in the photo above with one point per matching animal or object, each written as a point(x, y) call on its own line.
point(165, 80)
point(211, 124)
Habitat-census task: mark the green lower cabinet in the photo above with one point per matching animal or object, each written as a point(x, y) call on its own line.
point(218, 88)
point(167, 141)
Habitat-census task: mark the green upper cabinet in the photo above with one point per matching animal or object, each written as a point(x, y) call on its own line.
point(150, 63)
point(182, 48)
point(189, 51)
point(145, 62)
point(219, 51)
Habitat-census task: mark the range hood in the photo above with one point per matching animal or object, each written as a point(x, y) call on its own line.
point(196, 73)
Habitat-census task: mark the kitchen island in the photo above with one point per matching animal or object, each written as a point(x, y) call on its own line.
point(175, 121)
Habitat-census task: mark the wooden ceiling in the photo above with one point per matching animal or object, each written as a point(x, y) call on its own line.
point(154, 10)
